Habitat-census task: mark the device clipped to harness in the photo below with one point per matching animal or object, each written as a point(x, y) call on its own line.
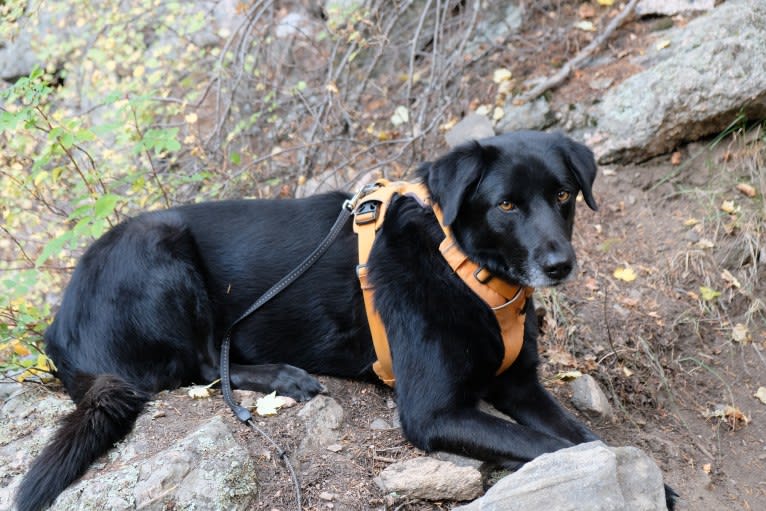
point(506, 300)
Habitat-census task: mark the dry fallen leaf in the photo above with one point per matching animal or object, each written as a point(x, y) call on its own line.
point(586, 11)
point(727, 206)
point(606, 3)
point(568, 375)
point(761, 394)
point(271, 403)
point(501, 75)
point(586, 26)
point(704, 243)
point(401, 116)
point(730, 279)
point(199, 392)
point(662, 44)
point(625, 273)
point(740, 333)
point(691, 222)
point(731, 415)
point(707, 468)
point(747, 190)
point(675, 158)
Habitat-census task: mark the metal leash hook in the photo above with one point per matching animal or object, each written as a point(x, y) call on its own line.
point(242, 413)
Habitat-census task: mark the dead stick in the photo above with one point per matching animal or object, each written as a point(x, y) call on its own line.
point(585, 53)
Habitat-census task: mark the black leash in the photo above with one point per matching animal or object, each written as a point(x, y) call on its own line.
point(242, 413)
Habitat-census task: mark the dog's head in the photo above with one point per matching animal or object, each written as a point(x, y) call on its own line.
point(510, 201)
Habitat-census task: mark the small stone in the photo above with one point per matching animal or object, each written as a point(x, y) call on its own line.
point(379, 424)
point(474, 126)
point(531, 115)
point(327, 496)
point(334, 448)
point(588, 397)
point(431, 479)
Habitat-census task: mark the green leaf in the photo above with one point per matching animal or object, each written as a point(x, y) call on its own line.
point(235, 158)
point(709, 294)
point(105, 205)
point(53, 247)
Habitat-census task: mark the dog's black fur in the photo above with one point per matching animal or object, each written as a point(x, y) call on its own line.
point(149, 302)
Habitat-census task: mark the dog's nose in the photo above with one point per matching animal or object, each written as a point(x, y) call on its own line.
point(557, 266)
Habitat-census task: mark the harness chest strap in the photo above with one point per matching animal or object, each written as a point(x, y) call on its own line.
point(506, 301)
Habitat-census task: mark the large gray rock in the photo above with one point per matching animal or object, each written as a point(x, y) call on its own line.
point(431, 479)
point(672, 7)
point(712, 69)
point(207, 469)
point(589, 476)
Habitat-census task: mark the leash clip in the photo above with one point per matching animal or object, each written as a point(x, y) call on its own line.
point(350, 204)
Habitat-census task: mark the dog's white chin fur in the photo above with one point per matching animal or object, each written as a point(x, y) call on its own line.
point(536, 277)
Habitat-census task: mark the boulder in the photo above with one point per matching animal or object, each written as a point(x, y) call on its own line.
point(672, 7)
point(702, 77)
point(588, 476)
point(208, 469)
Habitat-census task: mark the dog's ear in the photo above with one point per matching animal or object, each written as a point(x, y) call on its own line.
point(579, 159)
point(450, 177)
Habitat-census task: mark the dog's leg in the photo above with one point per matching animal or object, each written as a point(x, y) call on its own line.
point(470, 432)
point(287, 380)
point(520, 395)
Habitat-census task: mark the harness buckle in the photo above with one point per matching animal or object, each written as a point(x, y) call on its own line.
point(367, 212)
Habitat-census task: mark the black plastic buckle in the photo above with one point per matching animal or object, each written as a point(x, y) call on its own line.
point(367, 212)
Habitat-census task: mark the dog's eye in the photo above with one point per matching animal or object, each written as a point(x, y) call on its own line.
point(563, 196)
point(507, 205)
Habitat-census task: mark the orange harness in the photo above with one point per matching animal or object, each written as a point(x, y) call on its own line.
point(506, 300)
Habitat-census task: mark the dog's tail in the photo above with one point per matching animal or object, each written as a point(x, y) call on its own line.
point(104, 415)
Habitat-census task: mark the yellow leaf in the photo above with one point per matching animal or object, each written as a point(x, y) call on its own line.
point(761, 394)
point(691, 222)
point(199, 392)
point(191, 118)
point(707, 468)
point(586, 26)
point(569, 375)
point(625, 273)
point(605, 2)
point(662, 44)
point(271, 403)
point(727, 206)
point(709, 294)
point(401, 116)
point(45, 364)
point(138, 71)
point(501, 75)
point(740, 333)
point(19, 348)
point(498, 113)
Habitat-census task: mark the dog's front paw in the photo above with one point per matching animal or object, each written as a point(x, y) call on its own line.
point(670, 497)
point(296, 383)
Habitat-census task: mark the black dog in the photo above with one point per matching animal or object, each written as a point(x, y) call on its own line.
point(150, 300)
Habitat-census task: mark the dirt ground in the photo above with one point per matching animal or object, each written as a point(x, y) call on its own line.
point(679, 349)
